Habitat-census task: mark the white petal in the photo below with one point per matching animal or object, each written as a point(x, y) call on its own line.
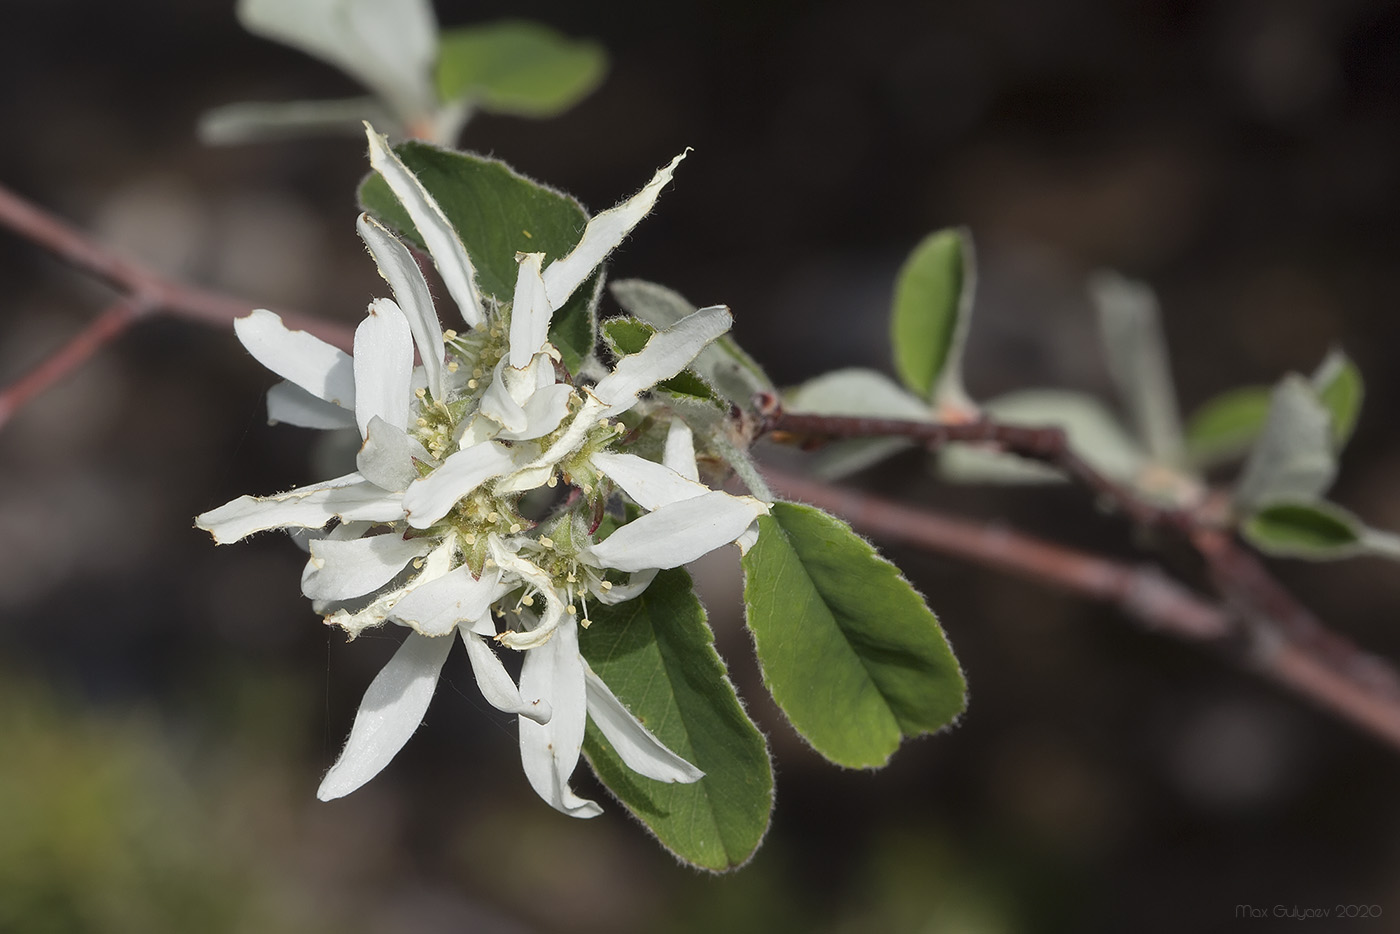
point(438, 562)
point(324, 371)
point(549, 752)
point(386, 457)
point(637, 583)
point(290, 404)
point(499, 403)
point(340, 570)
point(651, 485)
point(449, 256)
point(677, 533)
point(538, 471)
point(679, 454)
point(435, 608)
point(495, 684)
point(748, 539)
point(430, 498)
point(543, 412)
point(398, 267)
point(601, 236)
point(530, 311)
point(392, 708)
point(309, 507)
point(639, 750)
point(666, 354)
point(383, 366)
point(388, 45)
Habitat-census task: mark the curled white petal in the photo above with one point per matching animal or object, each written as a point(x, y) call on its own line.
point(430, 498)
point(495, 684)
point(438, 562)
point(637, 746)
point(530, 311)
point(679, 453)
point(387, 455)
point(341, 570)
point(437, 607)
point(392, 708)
point(666, 354)
point(324, 371)
point(346, 498)
point(601, 237)
point(290, 404)
point(449, 256)
point(399, 269)
point(677, 533)
point(383, 366)
point(549, 751)
point(637, 583)
point(651, 485)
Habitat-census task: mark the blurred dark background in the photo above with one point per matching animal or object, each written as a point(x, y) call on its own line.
point(166, 709)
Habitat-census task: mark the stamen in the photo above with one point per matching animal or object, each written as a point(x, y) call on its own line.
point(546, 541)
point(493, 517)
point(449, 335)
point(514, 527)
point(585, 622)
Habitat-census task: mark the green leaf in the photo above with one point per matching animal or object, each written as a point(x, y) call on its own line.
point(1225, 427)
point(1136, 351)
point(1315, 530)
point(518, 67)
point(1339, 386)
point(722, 364)
point(850, 652)
point(657, 654)
point(931, 314)
point(498, 213)
point(861, 393)
point(1293, 458)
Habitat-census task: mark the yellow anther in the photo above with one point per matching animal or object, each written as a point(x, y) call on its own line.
point(514, 527)
point(528, 600)
point(585, 622)
point(489, 563)
point(572, 610)
point(493, 517)
point(422, 423)
point(552, 482)
point(619, 428)
point(546, 541)
point(571, 579)
point(452, 367)
point(449, 335)
point(478, 372)
point(418, 564)
point(605, 586)
point(469, 538)
point(471, 384)
point(420, 392)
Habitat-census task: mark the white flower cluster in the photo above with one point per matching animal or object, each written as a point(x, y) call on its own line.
point(427, 532)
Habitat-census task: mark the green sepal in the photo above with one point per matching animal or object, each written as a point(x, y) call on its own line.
point(931, 314)
point(849, 650)
point(517, 67)
point(657, 654)
point(498, 212)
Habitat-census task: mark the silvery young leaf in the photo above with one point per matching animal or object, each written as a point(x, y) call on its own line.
point(517, 67)
point(1339, 386)
point(1224, 428)
point(1315, 530)
point(849, 650)
point(723, 364)
point(1293, 458)
point(498, 212)
point(931, 315)
point(861, 393)
point(657, 654)
point(1136, 351)
point(1094, 434)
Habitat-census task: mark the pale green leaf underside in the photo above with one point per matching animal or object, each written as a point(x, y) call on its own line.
point(927, 328)
point(1339, 386)
point(1293, 458)
point(1315, 530)
point(518, 67)
point(498, 212)
point(1225, 427)
point(849, 650)
point(656, 653)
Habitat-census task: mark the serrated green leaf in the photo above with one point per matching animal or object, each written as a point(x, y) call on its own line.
point(498, 212)
point(1225, 427)
point(1293, 458)
point(1339, 385)
point(850, 652)
point(931, 315)
point(723, 364)
point(1136, 350)
point(518, 67)
point(657, 655)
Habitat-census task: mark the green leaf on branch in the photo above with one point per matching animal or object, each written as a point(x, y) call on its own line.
point(1339, 386)
point(723, 364)
point(1136, 351)
point(498, 212)
point(657, 655)
point(1293, 458)
point(1315, 530)
point(1227, 426)
point(849, 650)
point(931, 315)
point(517, 67)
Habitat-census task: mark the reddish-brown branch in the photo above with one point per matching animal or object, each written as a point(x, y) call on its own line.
point(114, 320)
point(1264, 628)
